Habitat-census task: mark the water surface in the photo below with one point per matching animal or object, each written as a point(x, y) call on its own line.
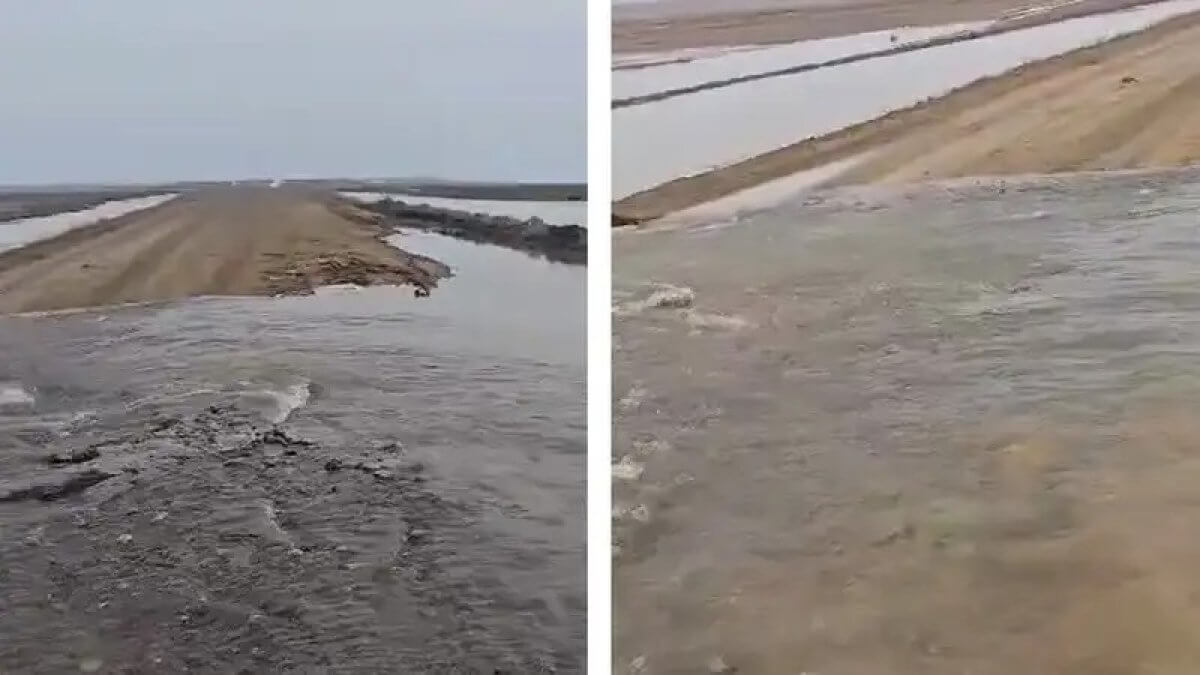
point(25, 231)
point(658, 142)
point(944, 429)
point(456, 425)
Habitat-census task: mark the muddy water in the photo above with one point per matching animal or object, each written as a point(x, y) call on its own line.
point(948, 430)
point(421, 511)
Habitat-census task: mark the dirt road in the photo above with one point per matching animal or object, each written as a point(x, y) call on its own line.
point(243, 241)
point(1129, 103)
point(686, 24)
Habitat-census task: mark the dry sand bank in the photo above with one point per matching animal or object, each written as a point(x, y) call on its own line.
point(1128, 103)
point(238, 241)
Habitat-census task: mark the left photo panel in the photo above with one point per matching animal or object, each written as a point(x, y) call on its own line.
point(293, 337)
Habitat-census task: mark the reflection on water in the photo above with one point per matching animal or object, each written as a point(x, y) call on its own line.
point(539, 305)
point(948, 430)
point(17, 233)
point(481, 384)
point(729, 64)
point(658, 142)
point(555, 213)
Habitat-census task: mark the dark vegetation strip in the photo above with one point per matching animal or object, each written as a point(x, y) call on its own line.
point(559, 243)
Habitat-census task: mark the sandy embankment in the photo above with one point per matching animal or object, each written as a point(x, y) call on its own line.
point(1130, 103)
point(237, 241)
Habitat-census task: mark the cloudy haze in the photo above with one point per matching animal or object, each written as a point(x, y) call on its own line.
point(146, 90)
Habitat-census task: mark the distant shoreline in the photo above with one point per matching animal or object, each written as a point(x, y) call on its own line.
point(674, 25)
point(32, 201)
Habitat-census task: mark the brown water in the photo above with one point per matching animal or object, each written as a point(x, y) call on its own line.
point(422, 511)
point(946, 430)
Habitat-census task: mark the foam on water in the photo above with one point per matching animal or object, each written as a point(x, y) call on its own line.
point(289, 400)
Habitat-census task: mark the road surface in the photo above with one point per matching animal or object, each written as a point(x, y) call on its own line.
point(235, 241)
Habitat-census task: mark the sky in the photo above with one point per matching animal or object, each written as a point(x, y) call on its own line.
point(147, 90)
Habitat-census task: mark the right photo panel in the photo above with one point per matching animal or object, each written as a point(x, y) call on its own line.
point(906, 347)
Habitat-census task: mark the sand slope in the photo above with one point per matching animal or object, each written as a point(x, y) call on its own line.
point(1131, 107)
point(244, 241)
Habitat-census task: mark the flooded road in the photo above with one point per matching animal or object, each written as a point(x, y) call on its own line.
point(929, 430)
point(420, 507)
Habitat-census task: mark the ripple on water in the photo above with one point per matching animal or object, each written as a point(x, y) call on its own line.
point(445, 473)
point(958, 433)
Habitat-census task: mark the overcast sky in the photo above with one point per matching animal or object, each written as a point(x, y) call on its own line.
point(147, 90)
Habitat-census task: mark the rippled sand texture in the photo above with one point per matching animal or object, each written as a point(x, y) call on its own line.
point(944, 430)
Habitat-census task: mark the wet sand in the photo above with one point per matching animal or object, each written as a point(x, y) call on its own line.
point(1128, 103)
point(233, 241)
point(686, 24)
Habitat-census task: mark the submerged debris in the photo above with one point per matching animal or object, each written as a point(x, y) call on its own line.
point(348, 267)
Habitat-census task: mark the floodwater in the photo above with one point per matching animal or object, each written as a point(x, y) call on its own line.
point(435, 522)
point(730, 64)
point(931, 430)
point(25, 231)
point(657, 142)
point(555, 213)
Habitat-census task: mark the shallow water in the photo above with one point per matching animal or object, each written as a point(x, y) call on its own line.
point(658, 142)
point(940, 430)
point(730, 64)
point(555, 213)
point(24, 231)
point(471, 556)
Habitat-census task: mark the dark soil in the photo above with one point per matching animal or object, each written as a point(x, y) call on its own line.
point(560, 243)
